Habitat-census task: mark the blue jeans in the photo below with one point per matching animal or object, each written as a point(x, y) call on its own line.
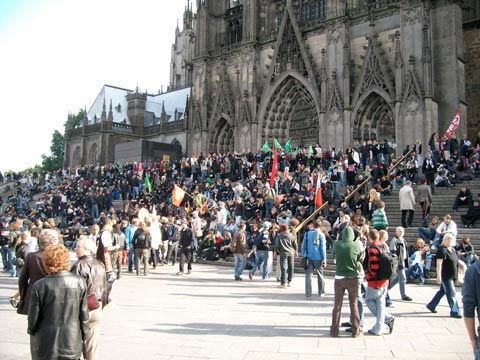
point(375, 300)
point(262, 258)
point(268, 208)
point(401, 280)
point(426, 233)
point(132, 259)
point(4, 251)
point(286, 268)
point(240, 263)
point(447, 288)
point(312, 265)
point(477, 352)
point(415, 271)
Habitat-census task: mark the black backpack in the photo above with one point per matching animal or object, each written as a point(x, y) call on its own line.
point(388, 264)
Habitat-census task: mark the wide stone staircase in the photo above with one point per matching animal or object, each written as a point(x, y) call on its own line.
point(443, 200)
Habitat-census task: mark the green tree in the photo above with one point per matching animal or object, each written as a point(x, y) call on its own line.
point(54, 161)
point(75, 120)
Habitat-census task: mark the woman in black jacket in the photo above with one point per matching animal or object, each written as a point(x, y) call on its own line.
point(58, 312)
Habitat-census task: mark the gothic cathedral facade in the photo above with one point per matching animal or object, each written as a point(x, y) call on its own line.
point(324, 71)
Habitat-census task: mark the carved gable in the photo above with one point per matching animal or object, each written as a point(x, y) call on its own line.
point(375, 72)
point(290, 51)
point(222, 102)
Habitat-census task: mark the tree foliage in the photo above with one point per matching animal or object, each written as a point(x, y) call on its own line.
point(54, 161)
point(75, 120)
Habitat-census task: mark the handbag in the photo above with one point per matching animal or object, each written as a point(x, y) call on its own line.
point(92, 302)
point(304, 262)
point(198, 233)
point(19, 262)
point(21, 306)
point(110, 277)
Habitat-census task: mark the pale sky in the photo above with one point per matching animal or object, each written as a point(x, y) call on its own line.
point(57, 54)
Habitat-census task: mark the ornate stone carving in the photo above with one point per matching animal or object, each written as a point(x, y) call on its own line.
point(411, 16)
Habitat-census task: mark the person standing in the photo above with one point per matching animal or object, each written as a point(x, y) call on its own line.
point(129, 232)
point(58, 312)
point(314, 248)
point(286, 246)
point(377, 288)
point(237, 247)
point(398, 246)
point(185, 243)
point(141, 244)
point(429, 169)
point(346, 253)
point(471, 301)
point(34, 269)
point(424, 197)
point(407, 203)
point(104, 250)
point(447, 262)
point(93, 273)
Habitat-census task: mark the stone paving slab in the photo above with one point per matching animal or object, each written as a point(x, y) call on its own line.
point(208, 315)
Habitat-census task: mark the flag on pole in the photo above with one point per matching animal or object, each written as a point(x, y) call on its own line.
point(265, 147)
point(148, 183)
point(453, 126)
point(177, 195)
point(274, 167)
point(288, 146)
point(318, 192)
point(277, 144)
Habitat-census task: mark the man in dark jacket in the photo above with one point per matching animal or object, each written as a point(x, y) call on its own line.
point(141, 243)
point(471, 216)
point(186, 248)
point(471, 301)
point(464, 197)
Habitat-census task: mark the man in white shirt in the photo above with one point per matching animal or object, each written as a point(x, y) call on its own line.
point(221, 217)
point(447, 226)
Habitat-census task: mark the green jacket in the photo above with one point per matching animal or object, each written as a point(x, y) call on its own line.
point(347, 253)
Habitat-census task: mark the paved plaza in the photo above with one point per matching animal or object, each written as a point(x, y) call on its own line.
point(208, 315)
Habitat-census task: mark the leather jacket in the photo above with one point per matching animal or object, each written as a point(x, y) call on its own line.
point(58, 316)
point(92, 272)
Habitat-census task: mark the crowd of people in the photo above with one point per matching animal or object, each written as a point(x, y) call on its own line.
point(231, 204)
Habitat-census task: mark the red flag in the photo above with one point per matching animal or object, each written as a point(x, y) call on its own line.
point(274, 167)
point(318, 192)
point(453, 126)
point(177, 196)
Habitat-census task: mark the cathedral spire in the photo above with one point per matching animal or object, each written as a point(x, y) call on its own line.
point(110, 112)
point(104, 111)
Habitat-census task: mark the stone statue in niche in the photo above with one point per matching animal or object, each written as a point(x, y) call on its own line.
point(413, 107)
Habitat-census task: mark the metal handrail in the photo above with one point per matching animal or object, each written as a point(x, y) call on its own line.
point(356, 190)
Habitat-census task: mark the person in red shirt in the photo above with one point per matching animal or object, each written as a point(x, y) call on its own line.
point(377, 289)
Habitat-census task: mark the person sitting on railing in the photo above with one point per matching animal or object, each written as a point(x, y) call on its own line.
point(400, 175)
point(412, 171)
point(385, 186)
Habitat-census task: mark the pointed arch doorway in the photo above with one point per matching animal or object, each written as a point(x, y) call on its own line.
point(291, 113)
point(374, 118)
point(221, 137)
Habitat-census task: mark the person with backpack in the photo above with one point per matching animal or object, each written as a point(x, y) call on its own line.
point(399, 247)
point(142, 241)
point(377, 276)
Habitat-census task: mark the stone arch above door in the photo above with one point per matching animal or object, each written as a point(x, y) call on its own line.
point(374, 117)
point(77, 157)
point(291, 111)
point(221, 139)
point(93, 154)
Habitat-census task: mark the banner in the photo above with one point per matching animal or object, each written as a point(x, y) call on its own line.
point(177, 195)
point(453, 126)
point(148, 183)
point(288, 146)
point(265, 147)
point(318, 192)
point(274, 167)
point(277, 144)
